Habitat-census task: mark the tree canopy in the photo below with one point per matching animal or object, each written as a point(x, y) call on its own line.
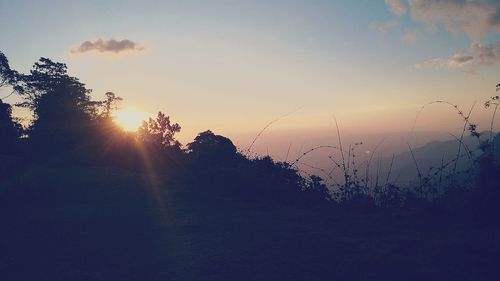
point(159, 131)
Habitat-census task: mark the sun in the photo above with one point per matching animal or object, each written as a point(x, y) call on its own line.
point(130, 119)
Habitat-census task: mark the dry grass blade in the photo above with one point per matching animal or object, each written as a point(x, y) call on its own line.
point(311, 150)
point(465, 146)
point(466, 123)
point(288, 152)
point(493, 122)
point(323, 171)
point(11, 93)
point(390, 171)
point(416, 166)
point(457, 109)
point(344, 168)
point(267, 126)
point(367, 174)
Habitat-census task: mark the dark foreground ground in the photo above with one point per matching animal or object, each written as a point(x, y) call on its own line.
point(108, 224)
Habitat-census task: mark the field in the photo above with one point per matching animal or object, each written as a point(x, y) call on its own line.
point(101, 223)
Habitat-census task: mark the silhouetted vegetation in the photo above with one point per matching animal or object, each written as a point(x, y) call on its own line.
point(71, 158)
point(9, 130)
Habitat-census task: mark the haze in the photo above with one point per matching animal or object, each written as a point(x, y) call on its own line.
point(233, 66)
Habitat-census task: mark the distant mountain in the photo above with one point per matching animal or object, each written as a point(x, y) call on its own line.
point(435, 154)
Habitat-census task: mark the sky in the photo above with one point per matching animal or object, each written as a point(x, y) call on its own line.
point(233, 66)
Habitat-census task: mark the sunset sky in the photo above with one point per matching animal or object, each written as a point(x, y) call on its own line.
point(232, 66)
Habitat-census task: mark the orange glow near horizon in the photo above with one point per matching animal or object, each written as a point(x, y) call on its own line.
point(130, 119)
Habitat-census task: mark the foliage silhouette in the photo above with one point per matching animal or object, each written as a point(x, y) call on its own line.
point(209, 146)
point(159, 132)
point(9, 130)
point(63, 112)
point(8, 76)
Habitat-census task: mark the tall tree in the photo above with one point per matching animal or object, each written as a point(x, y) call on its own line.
point(110, 104)
point(159, 132)
point(9, 130)
point(7, 75)
point(209, 146)
point(52, 94)
point(64, 116)
point(62, 109)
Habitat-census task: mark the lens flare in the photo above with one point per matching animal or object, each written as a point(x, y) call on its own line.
point(130, 119)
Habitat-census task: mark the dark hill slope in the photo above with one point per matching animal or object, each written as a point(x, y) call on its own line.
point(102, 223)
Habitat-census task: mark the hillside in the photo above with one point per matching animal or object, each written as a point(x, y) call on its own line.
point(104, 223)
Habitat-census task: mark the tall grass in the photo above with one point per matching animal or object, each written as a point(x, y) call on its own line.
point(259, 134)
point(430, 185)
point(347, 183)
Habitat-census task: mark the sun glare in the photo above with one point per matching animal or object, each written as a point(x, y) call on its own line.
point(130, 119)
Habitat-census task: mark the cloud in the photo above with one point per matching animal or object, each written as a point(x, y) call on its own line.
point(411, 37)
point(384, 27)
point(111, 45)
point(397, 7)
point(476, 18)
point(478, 55)
point(495, 19)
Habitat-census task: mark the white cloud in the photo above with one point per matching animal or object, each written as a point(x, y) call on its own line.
point(411, 37)
point(478, 55)
point(476, 18)
point(111, 45)
point(397, 7)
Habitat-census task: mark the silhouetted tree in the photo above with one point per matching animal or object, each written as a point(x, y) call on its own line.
point(209, 146)
point(9, 130)
point(49, 88)
point(159, 132)
point(62, 109)
point(7, 75)
point(64, 115)
point(316, 191)
point(105, 128)
point(109, 104)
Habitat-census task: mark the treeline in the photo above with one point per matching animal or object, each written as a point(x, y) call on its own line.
point(68, 127)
